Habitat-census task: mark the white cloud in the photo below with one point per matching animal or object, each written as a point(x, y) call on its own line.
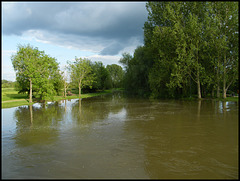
point(105, 59)
point(82, 43)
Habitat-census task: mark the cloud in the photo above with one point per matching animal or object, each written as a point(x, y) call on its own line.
point(105, 59)
point(103, 27)
point(8, 72)
point(82, 43)
point(112, 49)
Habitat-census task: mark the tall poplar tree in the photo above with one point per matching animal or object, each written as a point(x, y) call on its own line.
point(196, 40)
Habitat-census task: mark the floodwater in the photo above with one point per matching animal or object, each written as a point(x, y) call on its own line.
point(114, 136)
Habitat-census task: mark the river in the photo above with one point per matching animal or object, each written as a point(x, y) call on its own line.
point(113, 136)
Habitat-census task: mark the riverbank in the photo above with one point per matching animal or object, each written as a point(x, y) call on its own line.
point(10, 97)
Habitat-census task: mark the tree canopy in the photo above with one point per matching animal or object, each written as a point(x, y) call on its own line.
point(189, 47)
point(36, 72)
point(81, 73)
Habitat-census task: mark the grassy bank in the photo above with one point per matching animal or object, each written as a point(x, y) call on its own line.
point(10, 97)
point(11, 94)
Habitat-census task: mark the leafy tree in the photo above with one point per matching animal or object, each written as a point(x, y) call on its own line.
point(137, 70)
point(227, 19)
point(116, 74)
point(125, 60)
point(81, 73)
point(192, 42)
point(103, 79)
point(36, 72)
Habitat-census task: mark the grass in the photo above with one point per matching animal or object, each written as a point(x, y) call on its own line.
point(15, 103)
point(11, 98)
point(11, 94)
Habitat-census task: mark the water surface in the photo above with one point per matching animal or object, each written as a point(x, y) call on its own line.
point(117, 137)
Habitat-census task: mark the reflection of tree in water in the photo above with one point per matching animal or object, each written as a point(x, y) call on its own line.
point(87, 111)
point(37, 125)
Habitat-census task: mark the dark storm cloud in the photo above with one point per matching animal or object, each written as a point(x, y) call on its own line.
point(112, 25)
point(112, 49)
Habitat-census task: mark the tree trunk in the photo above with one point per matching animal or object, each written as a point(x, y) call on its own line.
point(213, 92)
point(199, 89)
point(198, 85)
point(65, 91)
point(30, 94)
point(198, 77)
point(218, 91)
point(218, 80)
point(79, 87)
point(224, 78)
point(224, 93)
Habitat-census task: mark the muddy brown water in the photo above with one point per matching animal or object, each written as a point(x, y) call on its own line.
point(114, 136)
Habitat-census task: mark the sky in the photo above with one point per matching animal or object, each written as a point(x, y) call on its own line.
point(99, 31)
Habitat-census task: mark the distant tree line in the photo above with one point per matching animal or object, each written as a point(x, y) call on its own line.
point(7, 84)
point(93, 76)
point(39, 74)
point(190, 48)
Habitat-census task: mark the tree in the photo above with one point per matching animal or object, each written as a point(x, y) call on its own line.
point(50, 82)
point(165, 28)
point(81, 73)
point(24, 63)
point(227, 19)
point(103, 79)
point(35, 72)
point(116, 74)
point(192, 41)
point(136, 71)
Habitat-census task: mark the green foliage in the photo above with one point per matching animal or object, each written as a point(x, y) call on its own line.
point(116, 74)
point(103, 78)
point(136, 71)
point(189, 47)
point(32, 65)
point(81, 73)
